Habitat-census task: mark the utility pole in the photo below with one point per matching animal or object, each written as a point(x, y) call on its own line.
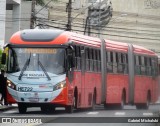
point(69, 10)
point(87, 24)
point(99, 25)
point(32, 22)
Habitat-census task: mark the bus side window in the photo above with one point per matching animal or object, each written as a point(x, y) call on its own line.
point(75, 57)
point(94, 61)
point(110, 62)
point(99, 60)
point(78, 57)
point(142, 66)
point(137, 66)
point(91, 59)
point(148, 67)
point(115, 62)
point(154, 67)
point(96, 55)
point(119, 62)
point(82, 57)
point(158, 69)
point(87, 58)
point(125, 63)
point(156, 63)
point(145, 64)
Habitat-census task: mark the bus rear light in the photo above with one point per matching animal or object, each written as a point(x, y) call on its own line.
point(11, 85)
point(59, 85)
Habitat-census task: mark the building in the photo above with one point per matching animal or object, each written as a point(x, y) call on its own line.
point(14, 15)
point(133, 21)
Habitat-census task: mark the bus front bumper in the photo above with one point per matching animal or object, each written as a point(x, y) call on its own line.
point(56, 97)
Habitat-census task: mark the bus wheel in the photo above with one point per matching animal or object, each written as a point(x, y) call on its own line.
point(122, 101)
point(139, 106)
point(69, 108)
point(144, 105)
point(43, 109)
point(22, 108)
point(75, 102)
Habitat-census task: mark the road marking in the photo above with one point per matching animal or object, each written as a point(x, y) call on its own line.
point(92, 113)
point(10, 111)
point(120, 113)
point(148, 114)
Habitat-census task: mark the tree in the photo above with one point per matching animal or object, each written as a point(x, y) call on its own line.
point(0, 57)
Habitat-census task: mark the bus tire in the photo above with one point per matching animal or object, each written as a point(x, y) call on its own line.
point(75, 98)
point(43, 109)
point(93, 102)
point(139, 106)
point(69, 108)
point(144, 105)
point(122, 101)
point(22, 108)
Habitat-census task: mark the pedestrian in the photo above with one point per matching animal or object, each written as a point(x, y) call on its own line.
point(3, 81)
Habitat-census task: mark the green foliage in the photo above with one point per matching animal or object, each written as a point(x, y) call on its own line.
point(2, 66)
point(1, 51)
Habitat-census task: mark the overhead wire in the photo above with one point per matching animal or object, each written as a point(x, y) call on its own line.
point(115, 29)
point(108, 33)
point(76, 25)
point(27, 19)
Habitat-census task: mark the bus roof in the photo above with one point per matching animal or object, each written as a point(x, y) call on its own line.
point(55, 36)
point(39, 37)
point(139, 49)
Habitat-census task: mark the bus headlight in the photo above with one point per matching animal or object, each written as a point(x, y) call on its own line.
point(11, 85)
point(59, 85)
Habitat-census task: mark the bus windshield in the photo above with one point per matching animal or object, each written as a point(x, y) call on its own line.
point(50, 60)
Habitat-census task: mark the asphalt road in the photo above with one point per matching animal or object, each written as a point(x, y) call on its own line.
point(127, 117)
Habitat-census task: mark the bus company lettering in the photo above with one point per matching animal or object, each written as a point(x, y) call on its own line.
point(33, 75)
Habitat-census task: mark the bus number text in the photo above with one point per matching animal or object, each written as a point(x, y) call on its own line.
point(25, 89)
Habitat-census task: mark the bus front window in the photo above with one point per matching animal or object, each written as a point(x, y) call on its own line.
point(37, 59)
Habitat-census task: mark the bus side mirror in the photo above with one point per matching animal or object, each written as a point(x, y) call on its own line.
point(3, 59)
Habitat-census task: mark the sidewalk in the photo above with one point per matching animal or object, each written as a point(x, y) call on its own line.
point(4, 107)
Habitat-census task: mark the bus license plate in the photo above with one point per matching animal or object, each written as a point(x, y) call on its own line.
point(25, 89)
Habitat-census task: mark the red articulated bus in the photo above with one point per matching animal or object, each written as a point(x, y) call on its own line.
point(53, 68)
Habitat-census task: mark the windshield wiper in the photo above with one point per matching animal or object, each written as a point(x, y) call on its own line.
point(44, 70)
point(24, 67)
